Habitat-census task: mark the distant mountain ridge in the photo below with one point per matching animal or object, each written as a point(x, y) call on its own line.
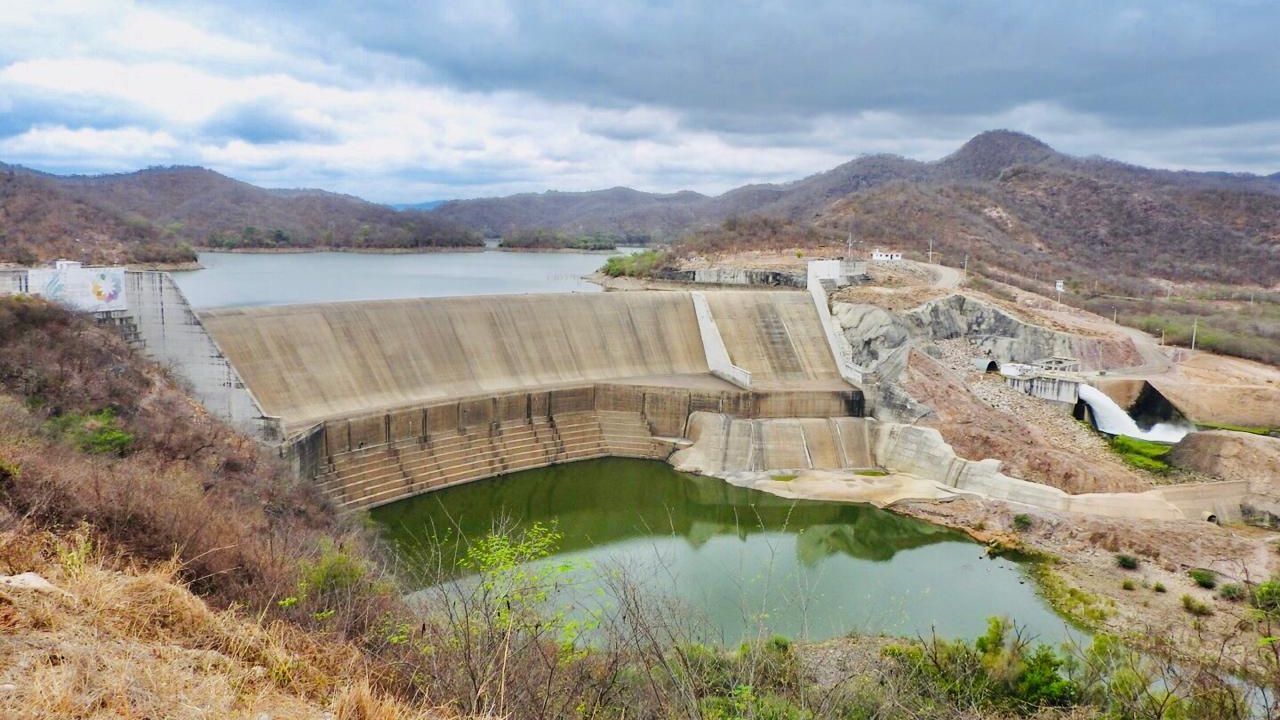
point(181, 206)
point(1059, 200)
point(981, 159)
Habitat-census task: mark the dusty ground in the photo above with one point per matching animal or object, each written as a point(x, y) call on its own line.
point(1084, 580)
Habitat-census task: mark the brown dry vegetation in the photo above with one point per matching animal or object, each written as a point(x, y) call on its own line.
point(196, 579)
point(155, 216)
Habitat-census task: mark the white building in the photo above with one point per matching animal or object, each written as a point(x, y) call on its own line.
point(879, 255)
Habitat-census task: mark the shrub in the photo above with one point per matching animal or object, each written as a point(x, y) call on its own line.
point(1234, 592)
point(1022, 521)
point(1129, 585)
point(334, 571)
point(639, 264)
point(1266, 596)
point(1196, 607)
point(1206, 579)
point(99, 433)
point(1128, 562)
point(1159, 587)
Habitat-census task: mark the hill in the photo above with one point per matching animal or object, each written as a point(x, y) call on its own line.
point(39, 223)
point(980, 161)
point(209, 209)
point(156, 215)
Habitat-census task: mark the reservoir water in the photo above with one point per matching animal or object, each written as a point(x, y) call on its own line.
point(740, 560)
point(241, 279)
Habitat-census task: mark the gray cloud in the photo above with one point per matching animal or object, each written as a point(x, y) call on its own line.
point(262, 122)
point(1145, 63)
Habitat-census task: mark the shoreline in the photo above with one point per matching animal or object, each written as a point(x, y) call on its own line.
point(371, 251)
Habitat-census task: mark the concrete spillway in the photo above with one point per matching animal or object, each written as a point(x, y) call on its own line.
point(306, 363)
point(382, 400)
point(777, 337)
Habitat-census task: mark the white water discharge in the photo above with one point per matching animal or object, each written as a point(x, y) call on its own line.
point(1113, 420)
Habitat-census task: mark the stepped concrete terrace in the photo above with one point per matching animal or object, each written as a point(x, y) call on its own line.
point(384, 400)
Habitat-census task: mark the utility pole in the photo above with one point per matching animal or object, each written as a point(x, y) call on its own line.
point(930, 251)
point(966, 273)
point(1195, 326)
point(1113, 314)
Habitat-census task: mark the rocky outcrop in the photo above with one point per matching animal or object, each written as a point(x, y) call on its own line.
point(1006, 338)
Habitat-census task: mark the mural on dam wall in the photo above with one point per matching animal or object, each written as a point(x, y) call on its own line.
point(87, 289)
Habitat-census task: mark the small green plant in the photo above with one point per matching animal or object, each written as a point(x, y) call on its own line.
point(871, 473)
point(99, 433)
point(1266, 597)
point(1127, 562)
point(334, 571)
point(783, 477)
point(1233, 592)
point(1196, 607)
point(9, 471)
point(74, 553)
point(1159, 587)
point(1129, 585)
point(1206, 579)
point(1022, 522)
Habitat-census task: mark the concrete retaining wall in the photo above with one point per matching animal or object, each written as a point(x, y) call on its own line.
point(836, 343)
point(1056, 389)
point(172, 334)
point(356, 459)
point(738, 277)
point(717, 355)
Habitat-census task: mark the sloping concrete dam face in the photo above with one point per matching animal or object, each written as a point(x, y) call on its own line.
point(383, 400)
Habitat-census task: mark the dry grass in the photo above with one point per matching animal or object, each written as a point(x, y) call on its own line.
point(122, 640)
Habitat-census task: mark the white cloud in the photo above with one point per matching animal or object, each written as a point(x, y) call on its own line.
point(386, 135)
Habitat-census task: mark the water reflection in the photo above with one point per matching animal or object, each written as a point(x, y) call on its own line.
point(738, 556)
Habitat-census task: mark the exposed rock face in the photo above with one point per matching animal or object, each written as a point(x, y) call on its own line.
point(1238, 456)
point(878, 337)
point(1007, 338)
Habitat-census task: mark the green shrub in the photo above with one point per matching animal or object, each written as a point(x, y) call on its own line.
point(1159, 587)
point(99, 433)
point(1206, 579)
point(1234, 592)
point(1266, 596)
point(999, 670)
point(1196, 607)
point(1128, 562)
point(1022, 521)
point(639, 264)
point(334, 571)
point(1129, 585)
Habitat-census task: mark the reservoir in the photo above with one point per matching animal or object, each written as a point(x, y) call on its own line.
point(740, 561)
point(244, 279)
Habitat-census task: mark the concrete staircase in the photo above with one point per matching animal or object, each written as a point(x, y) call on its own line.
point(376, 476)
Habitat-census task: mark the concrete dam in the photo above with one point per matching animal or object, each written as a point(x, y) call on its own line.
point(384, 400)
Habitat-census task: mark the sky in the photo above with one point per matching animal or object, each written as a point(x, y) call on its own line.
point(416, 101)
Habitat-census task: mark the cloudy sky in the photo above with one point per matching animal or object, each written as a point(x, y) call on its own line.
point(408, 101)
